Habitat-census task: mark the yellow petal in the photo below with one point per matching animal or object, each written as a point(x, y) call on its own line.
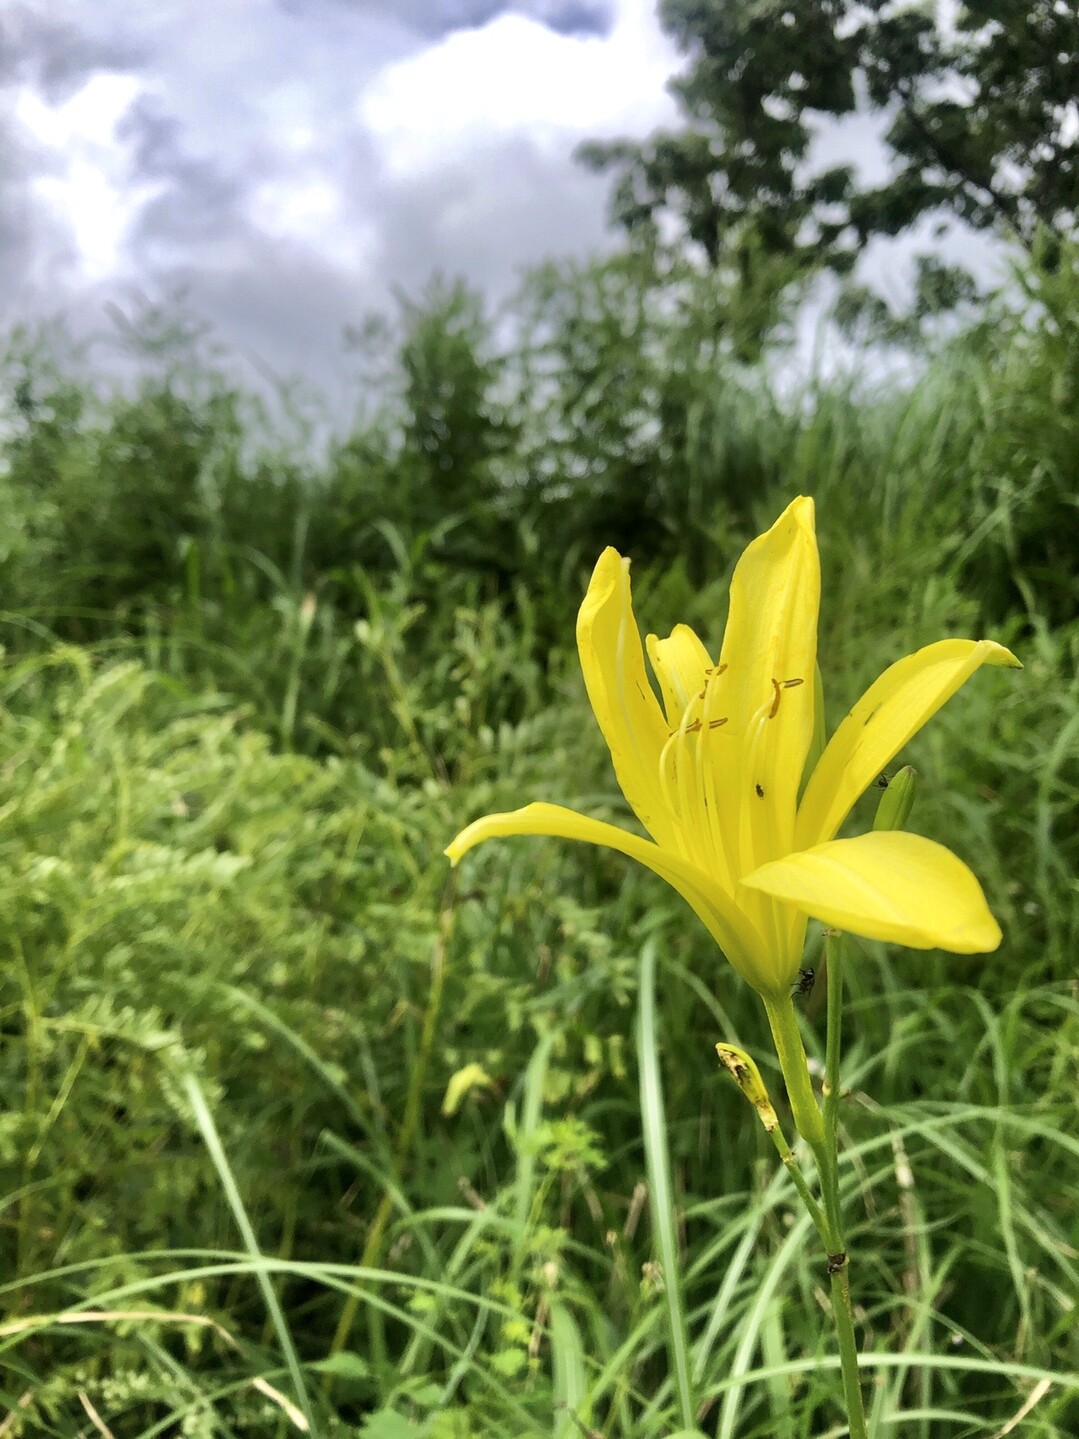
point(731, 929)
point(626, 710)
point(892, 709)
point(680, 662)
point(887, 885)
point(767, 690)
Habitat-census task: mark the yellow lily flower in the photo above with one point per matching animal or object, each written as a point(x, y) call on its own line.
point(714, 774)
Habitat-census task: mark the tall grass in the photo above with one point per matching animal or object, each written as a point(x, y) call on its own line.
point(249, 692)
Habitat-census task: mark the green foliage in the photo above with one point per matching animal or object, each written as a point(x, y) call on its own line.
point(979, 107)
point(733, 181)
point(245, 704)
point(973, 102)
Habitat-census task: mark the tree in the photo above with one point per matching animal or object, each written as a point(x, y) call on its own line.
point(976, 103)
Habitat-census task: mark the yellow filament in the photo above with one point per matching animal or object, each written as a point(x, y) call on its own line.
point(710, 797)
point(668, 798)
point(684, 766)
point(759, 842)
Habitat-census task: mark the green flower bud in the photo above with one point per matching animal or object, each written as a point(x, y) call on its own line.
point(896, 802)
point(747, 1076)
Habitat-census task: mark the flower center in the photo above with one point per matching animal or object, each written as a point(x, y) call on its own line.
point(688, 781)
point(714, 794)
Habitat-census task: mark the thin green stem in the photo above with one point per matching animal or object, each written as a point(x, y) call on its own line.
point(838, 1263)
point(838, 1272)
point(792, 1062)
point(820, 1133)
point(843, 1318)
point(833, 950)
point(828, 1153)
point(791, 1165)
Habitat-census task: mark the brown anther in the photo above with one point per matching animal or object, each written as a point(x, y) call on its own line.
point(695, 726)
point(716, 670)
point(779, 686)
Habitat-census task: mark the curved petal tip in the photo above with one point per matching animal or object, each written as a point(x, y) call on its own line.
point(804, 510)
point(605, 577)
point(999, 655)
point(888, 885)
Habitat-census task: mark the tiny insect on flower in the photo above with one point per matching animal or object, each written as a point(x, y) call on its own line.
point(804, 983)
point(714, 772)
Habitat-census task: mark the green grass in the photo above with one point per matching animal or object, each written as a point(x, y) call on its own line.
point(239, 975)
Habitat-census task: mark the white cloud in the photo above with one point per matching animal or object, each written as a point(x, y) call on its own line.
point(85, 170)
point(289, 163)
point(89, 117)
point(514, 76)
point(308, 209)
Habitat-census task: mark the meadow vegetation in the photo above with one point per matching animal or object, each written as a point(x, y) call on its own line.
point(301, 1130)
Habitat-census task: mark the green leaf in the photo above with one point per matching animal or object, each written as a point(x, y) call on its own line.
point(343, 1365)
point(509, 1361)
point(386, 1424)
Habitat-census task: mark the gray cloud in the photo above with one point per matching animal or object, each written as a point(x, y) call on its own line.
point(287, 303)
point(435, 18)
point(30, 241)
point(573, 17)
point(241, 115)
point(281, 307)
point(198, 200)
point(485, 217)
point(55, 56)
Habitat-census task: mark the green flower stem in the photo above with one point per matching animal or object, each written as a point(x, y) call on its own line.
point(779, 1139)
point(792, 1062)
point(819, 1132)
point(842, 1309)
point(843, 1317)
point(833, 951)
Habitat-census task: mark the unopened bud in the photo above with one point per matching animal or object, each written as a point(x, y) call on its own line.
point(747, 1076)
point(896, 802)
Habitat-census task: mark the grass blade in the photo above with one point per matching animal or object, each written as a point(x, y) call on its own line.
point(660, 1188)
point(216, 1151)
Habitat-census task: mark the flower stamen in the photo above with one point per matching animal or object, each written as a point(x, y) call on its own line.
point(779, 686)
point(710, 801)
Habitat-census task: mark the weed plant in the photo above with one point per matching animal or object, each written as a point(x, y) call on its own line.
point(249, 692)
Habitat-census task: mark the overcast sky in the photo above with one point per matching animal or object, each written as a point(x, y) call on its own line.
point(289, 162)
